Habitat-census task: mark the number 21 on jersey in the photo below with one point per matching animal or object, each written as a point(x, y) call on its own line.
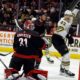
point(23, 41)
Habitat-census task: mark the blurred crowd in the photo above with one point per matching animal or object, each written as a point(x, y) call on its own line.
point(23, 10)
point(26, 9)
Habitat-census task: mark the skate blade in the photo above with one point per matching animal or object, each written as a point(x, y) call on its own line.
point(65, 75)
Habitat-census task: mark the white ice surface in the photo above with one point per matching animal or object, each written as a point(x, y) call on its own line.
point(53, 69)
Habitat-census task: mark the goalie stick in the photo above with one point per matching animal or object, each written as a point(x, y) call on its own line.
point(6, 68)
point(3, 64)
point(14, 78)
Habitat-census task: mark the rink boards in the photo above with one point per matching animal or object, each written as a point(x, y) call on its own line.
point(6, 41)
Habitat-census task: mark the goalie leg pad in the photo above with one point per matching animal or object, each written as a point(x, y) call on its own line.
point(8, 72)
point(39, 73)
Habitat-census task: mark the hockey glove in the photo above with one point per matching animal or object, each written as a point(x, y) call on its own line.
point(72, 30)
point(70, 39)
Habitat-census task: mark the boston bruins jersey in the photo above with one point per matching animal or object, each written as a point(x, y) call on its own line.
point(63, 27)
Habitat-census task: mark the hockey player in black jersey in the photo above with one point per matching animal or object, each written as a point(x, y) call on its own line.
point(27, 44)
point(41, 27)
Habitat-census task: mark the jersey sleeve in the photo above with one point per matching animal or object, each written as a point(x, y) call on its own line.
point(61, 25)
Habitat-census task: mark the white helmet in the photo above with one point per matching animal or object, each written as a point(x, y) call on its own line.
point(68, 12)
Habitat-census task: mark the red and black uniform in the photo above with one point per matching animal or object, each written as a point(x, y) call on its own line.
point(40, 26)
point(27, 45)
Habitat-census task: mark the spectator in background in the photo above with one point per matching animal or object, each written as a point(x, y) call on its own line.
point(41, 27)
point(30, 7)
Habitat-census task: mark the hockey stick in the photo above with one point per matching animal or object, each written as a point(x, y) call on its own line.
point(15, 20)
point(6, 67)
point(3, 64)
point(1, 54)
point(14, 78)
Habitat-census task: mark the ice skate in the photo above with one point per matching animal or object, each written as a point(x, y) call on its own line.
point(49, 59)
point(66, 73)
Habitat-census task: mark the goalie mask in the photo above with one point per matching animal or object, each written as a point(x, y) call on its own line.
point(28, 25)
